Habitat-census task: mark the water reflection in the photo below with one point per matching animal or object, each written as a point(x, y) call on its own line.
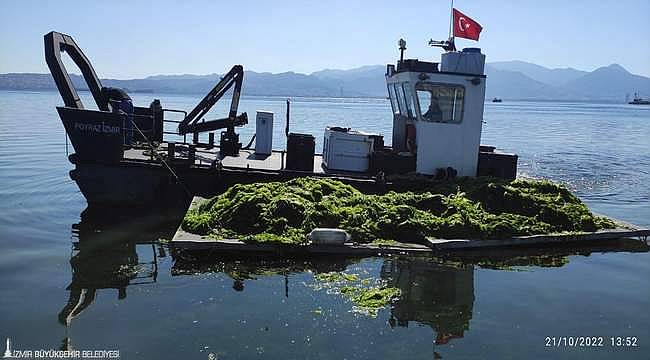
point(433, 294)
point(438, 292)
point(114, 268)
point(541, 256)
point(242, 269)
point(113, 250)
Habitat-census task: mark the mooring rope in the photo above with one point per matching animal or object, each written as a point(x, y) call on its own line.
point(155, 153)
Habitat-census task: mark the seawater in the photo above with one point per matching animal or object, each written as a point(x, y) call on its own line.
point(58, 291)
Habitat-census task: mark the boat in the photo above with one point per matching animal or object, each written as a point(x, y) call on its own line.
point(125, 155)
point(496, 100)
point(639, 100)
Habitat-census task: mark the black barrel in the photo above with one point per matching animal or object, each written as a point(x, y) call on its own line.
point(497, 164)
point(300, 152)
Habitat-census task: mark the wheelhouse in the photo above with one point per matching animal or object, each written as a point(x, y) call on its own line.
point(438, 113)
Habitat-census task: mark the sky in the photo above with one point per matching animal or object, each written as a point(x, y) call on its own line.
point(135, 39)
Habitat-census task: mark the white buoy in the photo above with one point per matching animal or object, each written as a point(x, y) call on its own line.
point(327, 236)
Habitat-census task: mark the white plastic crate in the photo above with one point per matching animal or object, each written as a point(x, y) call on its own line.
point(347, 150)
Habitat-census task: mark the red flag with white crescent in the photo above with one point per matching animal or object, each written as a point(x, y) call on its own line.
point(465, 27)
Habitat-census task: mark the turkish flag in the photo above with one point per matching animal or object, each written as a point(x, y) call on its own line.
point(465, 27)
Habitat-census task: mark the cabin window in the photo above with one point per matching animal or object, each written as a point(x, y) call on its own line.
point(393, 99)
point(405, 105)
point(408, 96)
point(400, 99)
point(440, 102)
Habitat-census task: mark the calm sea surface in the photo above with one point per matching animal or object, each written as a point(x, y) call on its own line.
point(58, 292)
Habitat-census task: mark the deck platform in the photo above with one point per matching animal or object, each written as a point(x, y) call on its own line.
point(247, 159)
point(185, 241)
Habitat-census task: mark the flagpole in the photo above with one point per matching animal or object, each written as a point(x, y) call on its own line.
point(451, 20)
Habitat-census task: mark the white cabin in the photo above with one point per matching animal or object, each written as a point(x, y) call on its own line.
point(438, 113)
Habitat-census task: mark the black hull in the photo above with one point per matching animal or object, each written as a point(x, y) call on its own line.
point(115, 185)
point(143, 183)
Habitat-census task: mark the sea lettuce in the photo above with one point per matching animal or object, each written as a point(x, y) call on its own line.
point(477, 208)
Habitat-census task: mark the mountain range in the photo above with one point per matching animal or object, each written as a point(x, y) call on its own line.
point(523, 80)
point(514, 80)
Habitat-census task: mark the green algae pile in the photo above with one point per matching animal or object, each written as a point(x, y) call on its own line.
point(470, 208)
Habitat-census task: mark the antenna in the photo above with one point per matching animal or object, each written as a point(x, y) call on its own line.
point(402, 47)
point(447, 45)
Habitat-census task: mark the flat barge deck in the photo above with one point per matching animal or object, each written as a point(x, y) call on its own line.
point(184, 241)
point(247, 159)
point(187, 242)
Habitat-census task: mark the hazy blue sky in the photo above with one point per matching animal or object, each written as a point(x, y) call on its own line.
point(134, 39)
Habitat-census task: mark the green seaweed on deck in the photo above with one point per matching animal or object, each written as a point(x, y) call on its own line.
point(470, 208)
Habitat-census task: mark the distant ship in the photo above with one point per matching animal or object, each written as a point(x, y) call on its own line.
point(639, 100)
point(496, 100)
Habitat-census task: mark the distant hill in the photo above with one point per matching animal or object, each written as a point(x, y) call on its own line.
point(510, 84)
point(507, 80)
point(554, 77)
point(369, 80)
point(29, 81)
point(288, 84)
point(609, 82)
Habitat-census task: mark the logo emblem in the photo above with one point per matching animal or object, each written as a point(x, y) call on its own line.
point(8, 349)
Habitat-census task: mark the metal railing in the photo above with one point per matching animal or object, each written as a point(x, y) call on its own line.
point(174, 122)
